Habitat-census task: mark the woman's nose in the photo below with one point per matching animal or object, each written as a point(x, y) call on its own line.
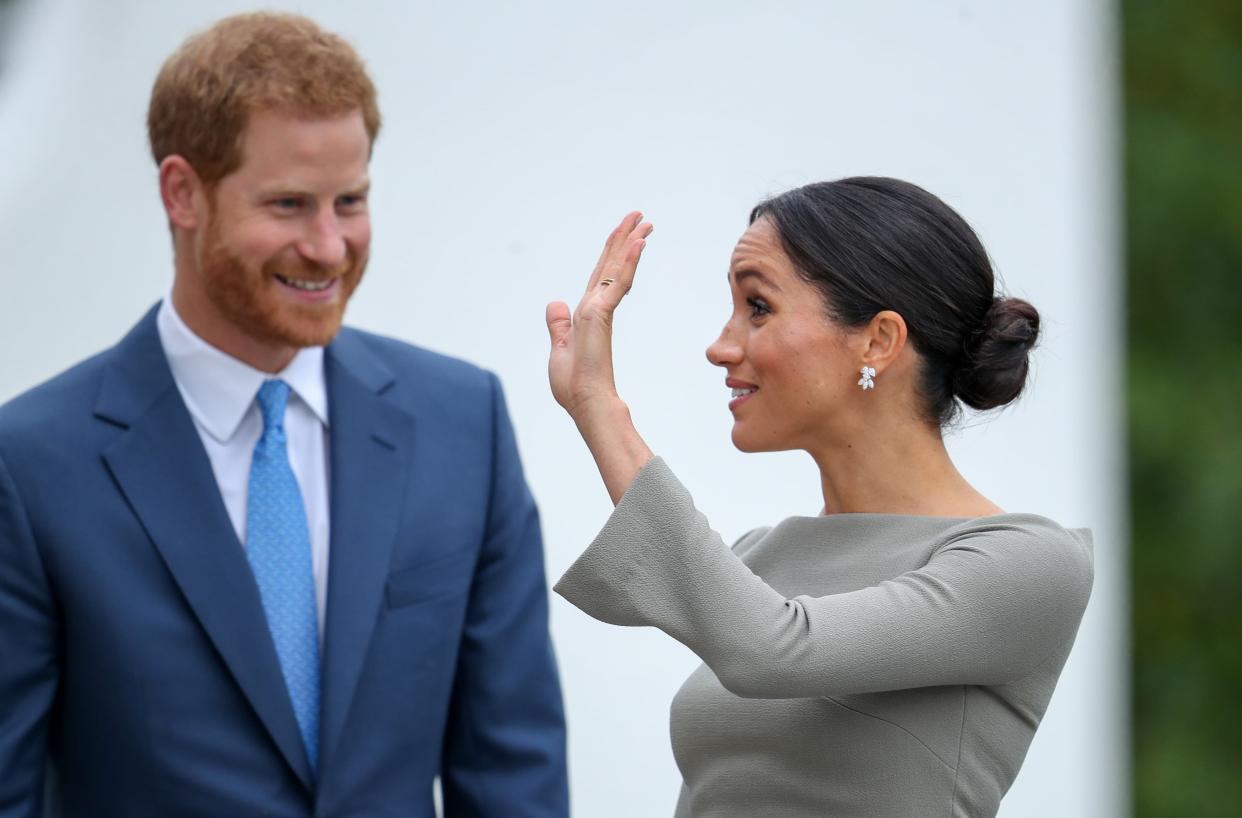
point(724, 351)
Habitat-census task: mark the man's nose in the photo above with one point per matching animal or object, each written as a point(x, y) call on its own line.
point(324, 243)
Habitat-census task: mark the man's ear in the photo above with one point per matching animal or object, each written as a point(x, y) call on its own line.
point(884, 338)
point(181, 191)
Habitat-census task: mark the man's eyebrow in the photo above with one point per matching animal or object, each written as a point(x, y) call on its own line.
point(290, 189)
point(749, 272)
point(281, 189)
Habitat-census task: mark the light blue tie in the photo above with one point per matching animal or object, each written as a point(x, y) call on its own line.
point(278, 547)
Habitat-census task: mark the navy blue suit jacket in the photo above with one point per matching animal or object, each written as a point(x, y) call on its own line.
point(134, 655)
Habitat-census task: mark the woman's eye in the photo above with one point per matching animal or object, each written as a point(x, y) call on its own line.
point(758, 307)
point(287, 203)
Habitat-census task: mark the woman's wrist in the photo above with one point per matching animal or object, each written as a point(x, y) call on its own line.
point(599, 412)
point(620, 452)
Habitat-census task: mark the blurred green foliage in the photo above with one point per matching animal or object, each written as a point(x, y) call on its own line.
point(1183, 210)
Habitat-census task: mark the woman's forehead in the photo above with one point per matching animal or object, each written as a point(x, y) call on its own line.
point(760, 254)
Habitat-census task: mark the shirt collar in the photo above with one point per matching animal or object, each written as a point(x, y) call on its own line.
point(218, 389)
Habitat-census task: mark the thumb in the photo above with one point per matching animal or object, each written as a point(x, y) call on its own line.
point(559, 323)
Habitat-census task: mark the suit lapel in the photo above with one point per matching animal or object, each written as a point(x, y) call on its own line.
point(163, 471)
point(371, 452)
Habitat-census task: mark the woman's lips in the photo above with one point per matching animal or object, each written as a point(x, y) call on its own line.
point(742, 392)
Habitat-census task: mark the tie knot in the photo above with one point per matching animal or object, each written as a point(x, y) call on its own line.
point(273, 396)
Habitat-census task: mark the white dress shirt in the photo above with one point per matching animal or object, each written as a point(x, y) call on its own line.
point(220, 392)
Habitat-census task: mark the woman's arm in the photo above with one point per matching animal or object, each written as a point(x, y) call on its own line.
point(994, 602)
point(580, 364)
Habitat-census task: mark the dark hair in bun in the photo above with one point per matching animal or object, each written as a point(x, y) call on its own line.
point(871, 243)
point(994, 367)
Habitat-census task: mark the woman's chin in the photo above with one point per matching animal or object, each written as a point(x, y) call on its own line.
point(744, 442)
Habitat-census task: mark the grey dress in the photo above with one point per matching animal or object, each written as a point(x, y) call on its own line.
point(854, 664)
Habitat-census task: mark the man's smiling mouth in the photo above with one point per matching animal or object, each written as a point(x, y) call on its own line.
point(306, 284)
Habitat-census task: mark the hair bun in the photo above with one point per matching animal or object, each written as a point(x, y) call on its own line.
point(996, 356)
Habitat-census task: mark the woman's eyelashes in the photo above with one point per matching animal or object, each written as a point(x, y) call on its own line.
point(758, 307)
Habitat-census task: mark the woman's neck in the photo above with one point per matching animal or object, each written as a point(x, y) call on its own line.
point(903, 470)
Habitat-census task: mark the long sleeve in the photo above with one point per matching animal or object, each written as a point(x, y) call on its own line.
point(996, 599)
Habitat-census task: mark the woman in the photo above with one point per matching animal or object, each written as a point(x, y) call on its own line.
point(893, 655)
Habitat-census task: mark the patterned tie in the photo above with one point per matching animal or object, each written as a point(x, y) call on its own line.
point(278, 547)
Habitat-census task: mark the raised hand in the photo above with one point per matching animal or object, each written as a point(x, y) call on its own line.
point(580, 364)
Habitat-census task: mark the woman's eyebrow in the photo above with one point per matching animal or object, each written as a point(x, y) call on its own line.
point(749, 272)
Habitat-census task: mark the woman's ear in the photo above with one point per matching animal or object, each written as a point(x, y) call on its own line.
point(180, 189)
point(884, 338)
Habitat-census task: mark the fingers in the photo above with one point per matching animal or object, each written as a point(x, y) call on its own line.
point(622, 268)
point(615, 247)
point(628, 222)
point(559, 323)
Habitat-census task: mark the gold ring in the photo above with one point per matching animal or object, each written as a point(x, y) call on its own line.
point(604, 282)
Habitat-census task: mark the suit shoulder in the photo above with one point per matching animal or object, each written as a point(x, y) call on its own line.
point(411, 362)
point(56, 403)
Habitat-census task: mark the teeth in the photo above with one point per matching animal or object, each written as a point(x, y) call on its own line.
point(310, 286)
point(737, 393)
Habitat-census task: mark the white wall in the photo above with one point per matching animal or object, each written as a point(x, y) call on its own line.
point(516, 134)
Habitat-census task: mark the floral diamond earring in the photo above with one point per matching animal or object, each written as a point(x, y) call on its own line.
point(867, 381)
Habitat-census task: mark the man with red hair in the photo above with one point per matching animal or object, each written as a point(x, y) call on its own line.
point(252, 562)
